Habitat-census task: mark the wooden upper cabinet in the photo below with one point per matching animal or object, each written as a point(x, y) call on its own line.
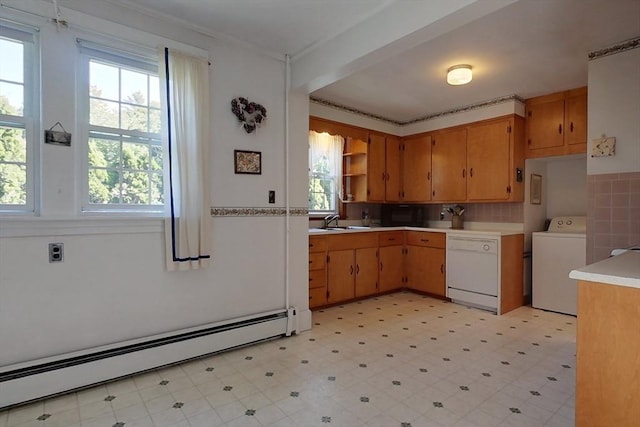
point(576, 119)
point(416, 153)
point(376, 171)
point(448, 166)
point(488, 160)
point(393, 184)
point(556, 124)
point(545, 120)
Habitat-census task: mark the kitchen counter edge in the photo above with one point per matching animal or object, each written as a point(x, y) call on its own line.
point(621, 270)
point(436, 230)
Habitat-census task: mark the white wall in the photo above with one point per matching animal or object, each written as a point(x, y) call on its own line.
point(112, 285)
point(566, 189)
point(614, 110)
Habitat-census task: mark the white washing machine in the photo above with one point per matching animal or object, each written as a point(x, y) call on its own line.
point(555, 253)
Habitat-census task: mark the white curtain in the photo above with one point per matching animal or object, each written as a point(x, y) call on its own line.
point(185, 81)
point(329, 146)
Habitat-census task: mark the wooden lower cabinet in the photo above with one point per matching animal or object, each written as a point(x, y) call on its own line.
point(425, 262)
point(317, 271)
point(340, 275)
point(608, 356)
point(366, 275)
point(391, 260)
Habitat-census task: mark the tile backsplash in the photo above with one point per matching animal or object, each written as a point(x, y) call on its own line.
point(613, 208)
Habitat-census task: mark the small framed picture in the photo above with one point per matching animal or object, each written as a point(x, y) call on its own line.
point(536, 189)
point(248, 162)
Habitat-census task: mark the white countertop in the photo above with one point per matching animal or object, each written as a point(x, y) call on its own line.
point(483, 232)
point(621, 270)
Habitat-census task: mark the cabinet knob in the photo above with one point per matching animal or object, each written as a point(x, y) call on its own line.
point(571, 127)
point(560, 128)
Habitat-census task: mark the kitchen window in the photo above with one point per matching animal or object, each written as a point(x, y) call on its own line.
point(123, 156)
point(325, 172)
point(19, 96)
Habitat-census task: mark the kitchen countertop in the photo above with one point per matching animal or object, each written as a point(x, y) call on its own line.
point(482, 232)
point(621, 270)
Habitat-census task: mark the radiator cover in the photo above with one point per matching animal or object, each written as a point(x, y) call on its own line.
point(23, 382)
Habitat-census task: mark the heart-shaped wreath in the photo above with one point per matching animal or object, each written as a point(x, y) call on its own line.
point(249, 114)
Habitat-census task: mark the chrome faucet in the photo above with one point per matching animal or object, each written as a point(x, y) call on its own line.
point(330, 218)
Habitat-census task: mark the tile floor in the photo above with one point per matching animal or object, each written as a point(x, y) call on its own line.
point(401, 360)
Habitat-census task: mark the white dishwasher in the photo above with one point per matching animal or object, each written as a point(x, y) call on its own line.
point(472, 270)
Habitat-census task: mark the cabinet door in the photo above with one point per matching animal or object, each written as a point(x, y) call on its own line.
point(488, 160)
point(391, 268)
point(425, 270)
point(545, 124)
point(448, 166)
point(576, 120)
point(366, 271)
point(434, 271)
point(416, 271)
point(393, 184)
point(376, 173)
point(416, 182)
point(340, 275)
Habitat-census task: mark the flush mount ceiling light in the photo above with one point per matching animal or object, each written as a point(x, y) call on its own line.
point(459, 75)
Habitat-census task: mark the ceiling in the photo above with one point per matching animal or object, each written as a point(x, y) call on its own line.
point(526, 47)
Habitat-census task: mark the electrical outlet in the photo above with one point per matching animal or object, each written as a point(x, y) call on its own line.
point(56, 252)
point(272, 196)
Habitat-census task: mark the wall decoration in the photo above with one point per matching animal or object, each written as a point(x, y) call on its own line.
point(250, 114)
point(603, 147)
point(535, 197)
point(57, 137)
point(248, 162)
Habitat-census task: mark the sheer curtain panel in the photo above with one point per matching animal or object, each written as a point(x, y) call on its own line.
point(325, 162)
point(186, 139)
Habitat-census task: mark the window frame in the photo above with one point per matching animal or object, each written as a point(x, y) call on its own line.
point(144, 60)
point(335, 176)
point(30, 119)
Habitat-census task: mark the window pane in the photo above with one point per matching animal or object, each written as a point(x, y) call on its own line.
point(157, 189)
point(135, 156)
point(156, 158)
point(154, 91)
point(13, 145)
point(12, 99)
point(154, 121)
point(104, 153)
point(103, 81)
point(12, 64)
point(103, 186)
point(134, 118)
point(135, 188)
point(13, 184)
point(104, 113)
point(321, 194)
point(134, 88)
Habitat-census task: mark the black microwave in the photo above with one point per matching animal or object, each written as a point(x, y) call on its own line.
point(402, 215)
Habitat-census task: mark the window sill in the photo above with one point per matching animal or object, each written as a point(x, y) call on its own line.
point(73, 226)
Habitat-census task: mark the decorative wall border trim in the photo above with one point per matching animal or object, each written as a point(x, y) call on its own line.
point(617, 48)
point(252, 212)
point(463, 109)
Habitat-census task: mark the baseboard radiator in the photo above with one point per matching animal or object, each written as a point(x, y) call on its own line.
point(23, 382)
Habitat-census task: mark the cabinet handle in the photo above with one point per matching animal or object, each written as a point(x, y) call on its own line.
point(310, 245)
point(428, 176)
point(442, 268)
point(381, 266)
point(383, 176)
point(357, 268)
point(560, 128)
point(471, 172)
point(529, 141)
point(391, 239)
point(387, 176)
point(434, 193)
point(571, 127)
point(351, 270)
point(464, 173)
point(310, 262)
